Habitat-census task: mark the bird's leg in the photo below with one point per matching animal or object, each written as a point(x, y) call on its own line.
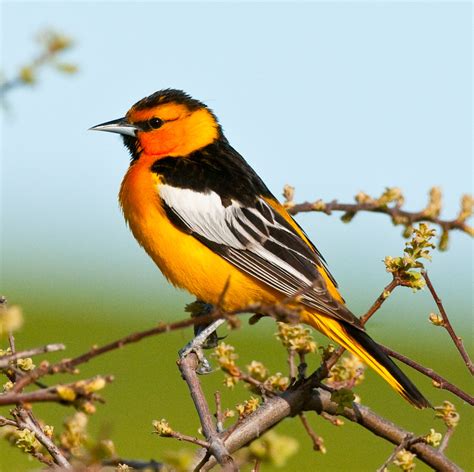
point(203, 309)
point(205, 337)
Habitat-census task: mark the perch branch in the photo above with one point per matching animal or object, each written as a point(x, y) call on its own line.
point(188, 365)
point(292, 402)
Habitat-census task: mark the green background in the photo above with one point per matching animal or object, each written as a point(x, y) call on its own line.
point(148, 386)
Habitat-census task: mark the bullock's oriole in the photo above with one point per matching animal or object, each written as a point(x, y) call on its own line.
point(208, 221)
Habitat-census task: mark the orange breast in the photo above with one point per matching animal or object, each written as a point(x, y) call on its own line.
point(183, 259)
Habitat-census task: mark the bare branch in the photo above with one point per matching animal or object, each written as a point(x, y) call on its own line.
point(447, 324)
point(188, 365)
point(5, 360)
point(397, 215)
point(447, 436)
point(25, 420)
point(54, 394)
point(439, 381)
point(403, 445)
point(318, 442)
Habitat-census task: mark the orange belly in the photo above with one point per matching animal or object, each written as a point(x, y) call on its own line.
point(184, 261)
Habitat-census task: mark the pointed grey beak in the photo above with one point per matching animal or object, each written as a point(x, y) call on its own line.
point(120, 126)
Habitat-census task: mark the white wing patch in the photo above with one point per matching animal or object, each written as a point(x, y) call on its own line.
point(234, 226)
point(202, 213)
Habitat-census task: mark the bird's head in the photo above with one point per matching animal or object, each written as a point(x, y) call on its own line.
point(168, 122)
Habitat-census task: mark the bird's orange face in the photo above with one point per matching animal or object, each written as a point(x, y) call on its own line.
point(172, 129)
point(166, 123)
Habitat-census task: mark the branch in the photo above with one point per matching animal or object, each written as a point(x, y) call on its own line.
point(439, 381)
point(64, 393)
point(5, 360)
point(447, 324)
point(279, 312)
point(52, 45)
point(188, 365)
point(294, 401)
point(25, 420)
point(397, 215)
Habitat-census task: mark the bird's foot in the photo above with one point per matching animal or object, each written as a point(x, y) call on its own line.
point(206, 338)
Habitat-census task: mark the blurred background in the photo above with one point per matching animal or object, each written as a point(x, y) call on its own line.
point(332, 98)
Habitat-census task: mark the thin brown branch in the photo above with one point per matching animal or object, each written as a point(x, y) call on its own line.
point(52, 394)
point(318, 442)
point(11, 341)
point(279, 312)
point(440, 382)
point(26, 420)
point(256, 466)
point(190, 439)
point(397, 215)
point(409, 440)
point(445, 441)
point(291, 364)
point(136, 464)
point(219, 415)
point(5, 360)
point(387, 291)
point(447, 324)
point(187, 366)
point(7, 422)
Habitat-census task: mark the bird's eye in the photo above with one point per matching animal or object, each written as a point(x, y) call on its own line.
point(155, 123)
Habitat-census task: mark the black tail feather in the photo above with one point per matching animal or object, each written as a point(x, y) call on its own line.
point(409, 391)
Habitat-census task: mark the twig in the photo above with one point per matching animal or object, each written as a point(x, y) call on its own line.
point(7, 422)
point(219, 416)
point(190, 439)
point(256, 467)
point(11, 341)
point(188, 365)
point(395, 282)
point(318, 443)
point(291, 364)
point(447, 436)
point(387, 291)
point(5, 360)
point(26, 420)
point(409, 440)
point(447, 324)
point(51, 394)
point(135, 464)
point(398, 215)
point(440, 382)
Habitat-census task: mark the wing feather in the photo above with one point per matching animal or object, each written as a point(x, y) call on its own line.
point(256, 240)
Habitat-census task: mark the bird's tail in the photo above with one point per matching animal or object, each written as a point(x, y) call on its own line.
point(363, 346)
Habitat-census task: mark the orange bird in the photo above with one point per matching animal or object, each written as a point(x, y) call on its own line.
point(208, 221)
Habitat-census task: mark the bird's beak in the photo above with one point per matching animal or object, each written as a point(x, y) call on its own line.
point(120, 126)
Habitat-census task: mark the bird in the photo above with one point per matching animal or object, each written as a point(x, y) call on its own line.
point(211, 224)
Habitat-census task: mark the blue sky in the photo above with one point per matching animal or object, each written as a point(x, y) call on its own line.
point(332, 97)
